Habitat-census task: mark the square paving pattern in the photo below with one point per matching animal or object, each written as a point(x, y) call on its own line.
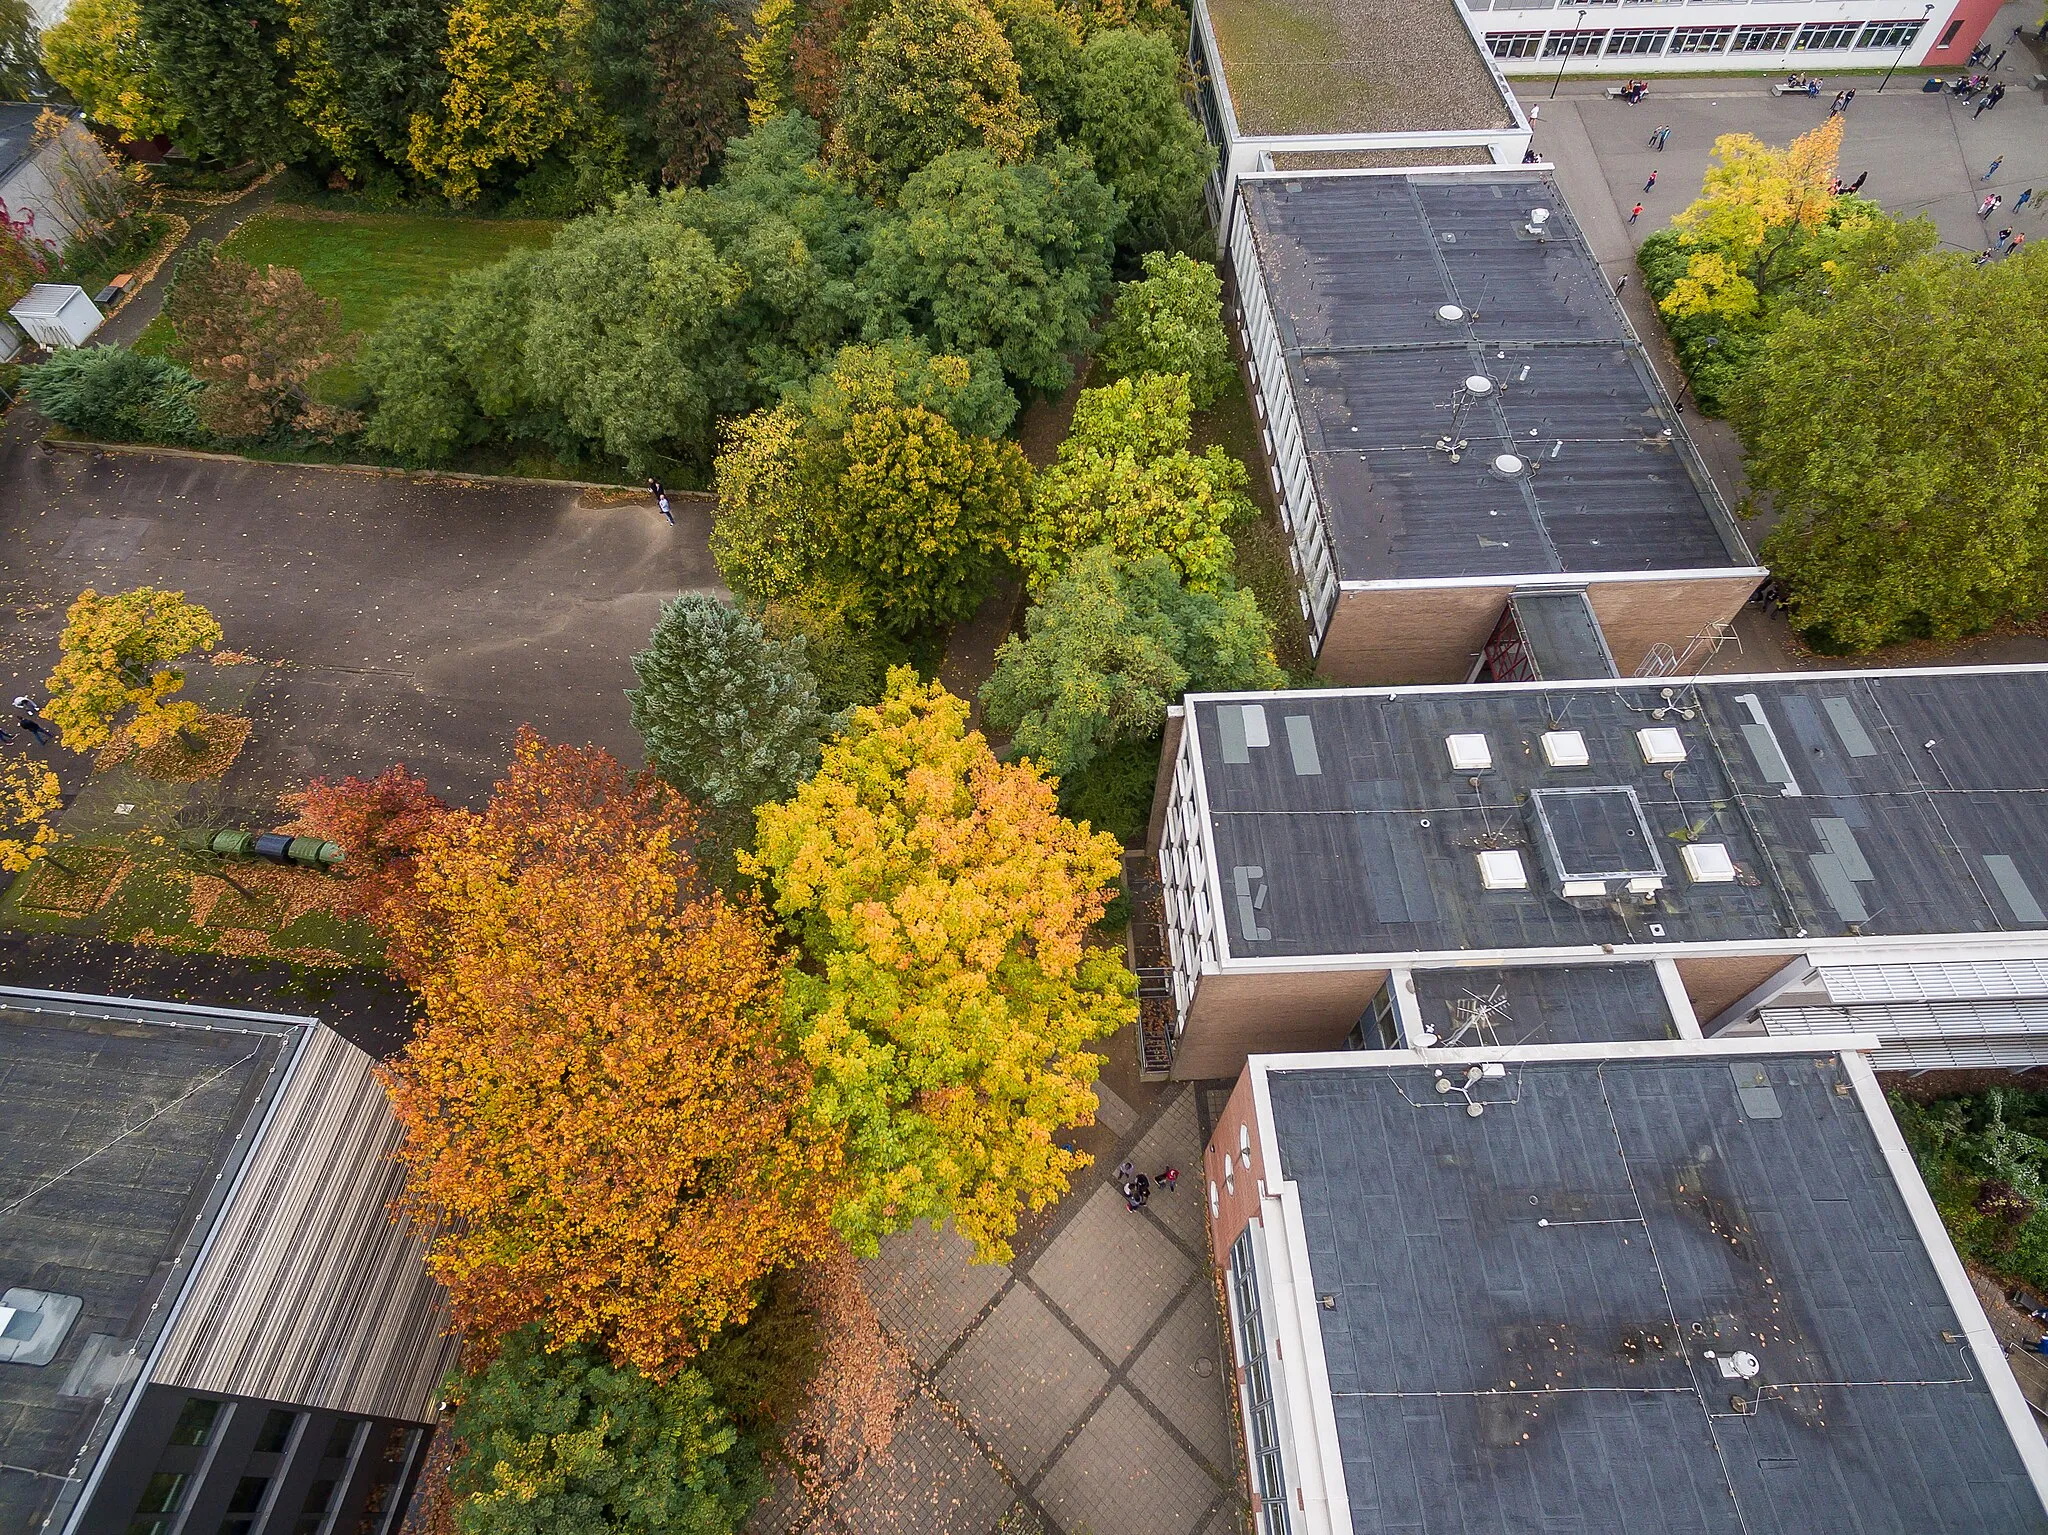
point(926, 1291)
point(1023, 1380)
point(1113, 1272)
point(1125, 1473)
point(1170, 1373)
point(932, 1478)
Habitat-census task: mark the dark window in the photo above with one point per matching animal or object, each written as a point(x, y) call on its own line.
point(244, 1506)
point(196, 1423)
point(1764, 39)
point(276, 1432)
point(1629, 41)
point(1514, 45)
point(314, 1514)
point(1833, 34)
point(159, 1503)
point(1261, 1426)
point(1700, 40)
point(1948, 33)
point(1889, 34)
point(1573, 44)
point(341, 1441)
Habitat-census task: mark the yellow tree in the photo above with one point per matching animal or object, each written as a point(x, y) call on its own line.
point(944, 905)
point(509, 97)
point(98, 54)
point(1755, 206)
point(29, 797)
point(118, 654)
point(601, 1120)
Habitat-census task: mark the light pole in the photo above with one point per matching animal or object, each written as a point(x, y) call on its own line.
point(1904, 46)
point(1571, 51)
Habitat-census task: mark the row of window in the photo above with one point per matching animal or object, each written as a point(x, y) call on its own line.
point(1261, 1425)
point(1629, 42)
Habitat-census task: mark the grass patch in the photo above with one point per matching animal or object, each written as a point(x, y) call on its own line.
point(1263, 565)
point(367, 262)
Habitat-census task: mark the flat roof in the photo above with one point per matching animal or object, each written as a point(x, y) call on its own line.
point(1295, 67)
point(1542, 1005)
point(120, 1121)
point(1351, 832)
point(1358, 269)
point(1563, 636)
point(1517, 1309)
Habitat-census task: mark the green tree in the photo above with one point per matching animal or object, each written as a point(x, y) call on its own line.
point(950, 996)
point(112, 393)
point(617, 333)
point(1171, 321)
point(1108, 647)
point(1125, 477)
point(426, 410)
point(1014, 258)
point(730, 717)
point(385, 57)
point(669, 72)
point(860, 492)
point(1897, 431)
point(1147, 148)
point(513, 91)
point(99, 54)
point(226, 61)
point(931, 76)
point(568, 1443)
point(1045, 39)
point(21, 63)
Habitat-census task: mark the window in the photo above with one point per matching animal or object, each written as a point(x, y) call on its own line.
point(1514, 45)
point(276, 1432)
point(1948, 33)
point(1630, 41)
point(1379, 1026)
point(1701, 39)
point(1261, 1427)
point(159, 1505)
point(342, 1441)
point(1828, 34)
point(1764, 39)
point(1889, 34)
point(195, 1424)
point(245, 1505)
point(1574, 44)
point(319, 1497)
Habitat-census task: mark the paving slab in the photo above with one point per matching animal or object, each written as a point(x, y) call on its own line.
point(926, 1290)
point(1175, 1140)
point(1124, 1475)
point(1023, 1380)
point(1180, 1372)
point(1112, 1272)
point(931, 1481)
point(1117, 1116)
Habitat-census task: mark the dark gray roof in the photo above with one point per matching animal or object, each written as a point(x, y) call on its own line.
point(1564, 638)
point(1543, 1005)
point(17, 134)
point(1376, 852)
point(1493, 1374)
point(1357, 268)
point(118, 1129)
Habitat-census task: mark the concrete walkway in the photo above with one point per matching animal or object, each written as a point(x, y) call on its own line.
point(1082, 1389)
point(215, 224)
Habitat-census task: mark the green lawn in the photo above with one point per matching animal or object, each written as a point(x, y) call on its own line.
point(369, 261)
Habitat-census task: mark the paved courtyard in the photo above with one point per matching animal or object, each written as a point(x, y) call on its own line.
point(402, 618)
point(1081, 1389)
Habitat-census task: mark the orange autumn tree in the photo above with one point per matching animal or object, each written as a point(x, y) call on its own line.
point(377, 821)
point(600, 1118)
point(944, 905)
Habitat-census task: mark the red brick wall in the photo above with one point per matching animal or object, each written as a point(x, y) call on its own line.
point(1238, 1201)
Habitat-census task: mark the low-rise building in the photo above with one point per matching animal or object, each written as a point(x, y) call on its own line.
point(210, 1319)
point(1754, 844)
point(1455, 415)
point(1654, 1286)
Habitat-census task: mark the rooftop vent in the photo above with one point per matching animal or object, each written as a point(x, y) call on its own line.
point(1565, 748)
point(34, 1323)
point(1503, 870)
point(1450, 314)
point(1469, 753)
point(1478, 386)
point(1708, 863)
point(1509, 466)
point(1537, 227)
point(1661, 743)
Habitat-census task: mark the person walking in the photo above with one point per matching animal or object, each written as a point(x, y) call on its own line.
point(35, 727)
point(1997, 94)
point(28, 703)
point(1622, 283)
point(1992, 169)
point(654, 489)
point(1655, 134)
point(661, 501)
point(1651, 184)
point(2014, 248)
point(1169, 1180)
point(1144, 1190)
point(1663, 138)
point(1635, 213)
point(1999, 60)
point(2004, 236)
point(1989, 206)
point(1857, 184)
point(1848, 98)
point(2025, 198)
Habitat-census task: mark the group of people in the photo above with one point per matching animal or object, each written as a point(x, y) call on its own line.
point(1634, 92)
point(1137, 1188)
point(1807, 83)
point(1837, 186)
point(28, 714)
point(1967, 87)
point(2008, 243)
point(1841, 103)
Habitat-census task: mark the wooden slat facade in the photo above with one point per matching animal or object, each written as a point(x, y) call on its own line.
point(311, 1292)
